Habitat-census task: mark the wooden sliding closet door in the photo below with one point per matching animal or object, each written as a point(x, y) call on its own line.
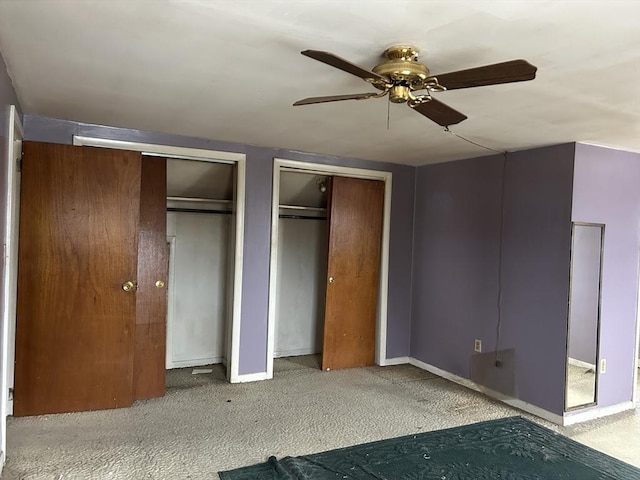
point(151, 295)
point(90, 317)
point(355, 235)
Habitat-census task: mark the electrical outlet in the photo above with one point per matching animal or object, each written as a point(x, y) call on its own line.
point(603, 365)
point(477, 345)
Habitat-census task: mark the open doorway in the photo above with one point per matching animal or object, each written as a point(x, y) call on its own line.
point(199, 212)
point(310, 269)
point(302, 264)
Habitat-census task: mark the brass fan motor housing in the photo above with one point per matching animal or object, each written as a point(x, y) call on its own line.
point(403, 69)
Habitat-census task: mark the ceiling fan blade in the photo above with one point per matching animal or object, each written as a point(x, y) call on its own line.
point(342, 64)
point(505, 72)
point(440, 113)
point(336, 98)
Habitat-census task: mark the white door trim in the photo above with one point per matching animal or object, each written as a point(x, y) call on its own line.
point(10, 271)
point(280, 165)
point(171, 240)
point(239, 159)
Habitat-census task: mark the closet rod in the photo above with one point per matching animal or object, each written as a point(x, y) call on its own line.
point(197, 210)
point(301, 217)
point(197, 199)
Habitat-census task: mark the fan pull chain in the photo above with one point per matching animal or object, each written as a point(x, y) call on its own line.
point(388, 111)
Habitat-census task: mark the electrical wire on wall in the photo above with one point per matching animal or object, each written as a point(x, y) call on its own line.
point(501, 241)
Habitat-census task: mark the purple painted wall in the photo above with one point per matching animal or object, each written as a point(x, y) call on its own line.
point(258, 226)
point(457, 235)
point(455, 261)
point(537, 248)
point(606, 190)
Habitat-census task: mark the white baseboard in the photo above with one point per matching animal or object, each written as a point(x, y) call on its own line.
point(394, 361)
point(444, 374)
point(465, 382)
point(579, 363)
point(529, 408)
point(571, 418)
point(197, 362)
point(250, 377)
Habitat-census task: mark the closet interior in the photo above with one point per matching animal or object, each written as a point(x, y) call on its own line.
point(200, 221)
point(302, 264)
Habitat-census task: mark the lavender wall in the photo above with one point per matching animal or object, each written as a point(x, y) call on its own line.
point(457, 235)
point(537, 249)
point(455, 278)
point(606, 190)
point(258, 227)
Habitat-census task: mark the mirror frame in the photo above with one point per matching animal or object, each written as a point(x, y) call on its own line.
point(566, 364)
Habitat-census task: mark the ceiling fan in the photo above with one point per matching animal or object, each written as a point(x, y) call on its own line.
point(406, 80)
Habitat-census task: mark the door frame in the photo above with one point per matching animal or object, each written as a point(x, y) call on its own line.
point(280, 165)
point(239, 159)
point(171, 243)
point(15, 136)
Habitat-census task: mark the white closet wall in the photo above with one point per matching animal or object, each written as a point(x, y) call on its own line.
point(302, 270)
point(197, 288)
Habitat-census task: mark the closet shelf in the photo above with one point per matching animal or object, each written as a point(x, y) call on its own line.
point(300, 207)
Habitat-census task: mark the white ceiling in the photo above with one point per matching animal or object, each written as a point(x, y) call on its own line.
point(230, 70)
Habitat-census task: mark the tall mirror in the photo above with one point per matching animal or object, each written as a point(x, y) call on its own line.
point(584, 316)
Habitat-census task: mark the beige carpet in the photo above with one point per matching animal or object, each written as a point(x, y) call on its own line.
point(204, 424)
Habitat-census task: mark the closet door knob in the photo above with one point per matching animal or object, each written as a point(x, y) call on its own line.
point(159, 284)
point(128, 286)
point(332, 280)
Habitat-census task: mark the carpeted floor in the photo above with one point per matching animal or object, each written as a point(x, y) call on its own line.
point(204, 425)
